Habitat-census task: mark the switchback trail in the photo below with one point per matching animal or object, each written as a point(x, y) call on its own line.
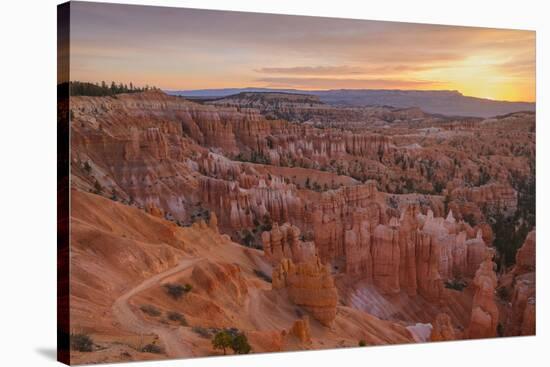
point(169, 335)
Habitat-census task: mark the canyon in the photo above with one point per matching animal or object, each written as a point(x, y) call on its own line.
point(302, 224)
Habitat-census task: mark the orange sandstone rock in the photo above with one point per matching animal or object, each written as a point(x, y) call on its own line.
point(300, 329)
point(484, 318)
point(442, 328)
point(526, 256)
point(310, 285)
point(284, 242)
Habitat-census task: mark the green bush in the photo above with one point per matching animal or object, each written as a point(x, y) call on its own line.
point(87, 167)
point(240, 345)
point(247, 238)
point(176, 291)
point(456, 284)
point(150, 310)
point(176, 316)
point(201, 331)
point(98, 189)
point(222, 340)
point(503, 293)
point(231, 338)
point(200, 213)
point(81, 342)
point(152, 348)
point(362, 343)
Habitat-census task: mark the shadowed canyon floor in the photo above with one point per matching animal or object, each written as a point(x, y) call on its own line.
point(300, 224)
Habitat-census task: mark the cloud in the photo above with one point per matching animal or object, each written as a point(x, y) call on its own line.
point(313, 70)
point(518, 68)
point(345, 83)
point(327, 71)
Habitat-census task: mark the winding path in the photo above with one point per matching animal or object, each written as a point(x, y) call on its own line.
point(171, 337)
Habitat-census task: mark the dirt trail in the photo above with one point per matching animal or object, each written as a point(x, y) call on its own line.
point(171, 337)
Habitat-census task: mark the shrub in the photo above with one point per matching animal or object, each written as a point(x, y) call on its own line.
point(81, 342)
point(248, 238)
point(362, 343)
point(202, 332)
point(240, 344)
point(503, 293)
point(176, 316)
point(98, 189)
point(200, 213)
point(455, 284)
point(150, 310)
point(392, 202)
point(152, 348)
point(470, 219)
point(175, 290)
point(231, 338)
point(222, 340)
point(87, 167)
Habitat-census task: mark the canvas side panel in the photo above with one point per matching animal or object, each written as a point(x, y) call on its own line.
point(63, 203)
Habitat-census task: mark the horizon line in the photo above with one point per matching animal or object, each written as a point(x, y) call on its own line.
point(349, 89)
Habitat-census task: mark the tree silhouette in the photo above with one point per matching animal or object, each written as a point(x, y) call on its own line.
point(222, 340)
point(102, 89)
point(240, 344)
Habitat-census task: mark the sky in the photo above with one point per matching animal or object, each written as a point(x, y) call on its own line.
point(182, 49)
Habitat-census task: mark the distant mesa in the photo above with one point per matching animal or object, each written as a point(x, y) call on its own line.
point(444, 102)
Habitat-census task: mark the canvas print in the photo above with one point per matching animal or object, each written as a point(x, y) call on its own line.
point(235, 183)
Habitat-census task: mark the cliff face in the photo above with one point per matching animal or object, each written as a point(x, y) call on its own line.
point(416, 253)
point(331, 213)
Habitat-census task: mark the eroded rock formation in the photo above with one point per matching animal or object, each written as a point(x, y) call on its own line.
point(526, 258)
point(522, 316)
point(485, 314)
point(443, 329)
point(399, 201)
point(309, 285)
point(415, 253)
point(284, 242)
point(300, 329)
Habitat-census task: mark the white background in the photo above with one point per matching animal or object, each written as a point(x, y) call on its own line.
point(28, 182)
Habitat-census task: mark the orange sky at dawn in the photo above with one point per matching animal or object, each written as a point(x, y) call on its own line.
point(184, 49)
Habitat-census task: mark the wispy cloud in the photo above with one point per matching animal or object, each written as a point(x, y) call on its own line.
point(313, 70)
point(346, 83)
